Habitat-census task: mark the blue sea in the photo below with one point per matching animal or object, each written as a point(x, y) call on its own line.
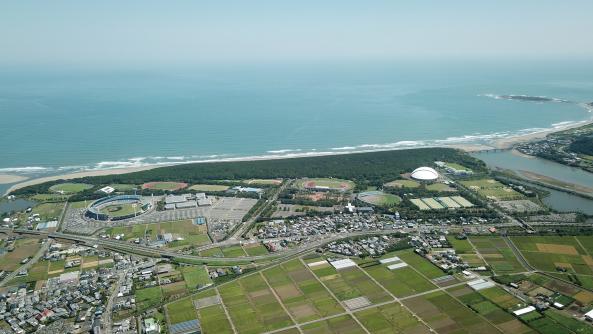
point(58, 119)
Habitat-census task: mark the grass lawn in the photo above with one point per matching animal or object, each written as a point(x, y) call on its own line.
point(124, 187)
point(265, 182)
point(208, 187)
point(123, 209)
point(70, 188)
point(79, 205)
point(390, 318)
point(403, 184)
point(255, 249)
point(437, 187)
point(149, 297)
point(164, 185)
point(49, 197)
point(23, 248)
point(492, 189)
point(233, 251)
point(195, 276)
point(300, 292)
point(181, 310)
point(212, 252)
point(48, 211)
point(457, 166)
point(461, 246)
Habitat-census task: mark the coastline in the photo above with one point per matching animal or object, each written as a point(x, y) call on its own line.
point(497, 144)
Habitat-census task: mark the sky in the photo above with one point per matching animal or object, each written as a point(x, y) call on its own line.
point(151, 33)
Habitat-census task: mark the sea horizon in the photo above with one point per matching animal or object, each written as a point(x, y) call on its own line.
point(80, 120)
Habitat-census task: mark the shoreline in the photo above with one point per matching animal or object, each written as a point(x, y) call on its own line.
point(497, 144)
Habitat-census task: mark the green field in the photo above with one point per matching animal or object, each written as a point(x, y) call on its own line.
point(403, 184)
point(419, 263)
point(123, 186)
point(265, 182)
point(208, 187)
point(343, 325)
point(213, 320)
point(492, 189)
point(233, 251)
point(181, 310)
point(255, 249)
point(49, 197)
point(48, 211)
point(149, 297)
point(439, 187)
point(456, 166)
point(446, 315)
point(379, 198)
point(401, 282)
point(350, 283)
point(195, 277)
point(23, 248)
point(390, 318)
point(461, 246)
point(192, 235)
point(164, 185)
point(304, 297)
point(332, 184)
point(120, 210)
point(497, 254)
point(252, 306)
point(548, 253)
point(70, 188)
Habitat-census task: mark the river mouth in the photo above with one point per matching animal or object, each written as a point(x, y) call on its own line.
point(571, 180)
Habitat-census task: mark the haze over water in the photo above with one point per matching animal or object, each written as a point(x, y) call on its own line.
point(63, 120)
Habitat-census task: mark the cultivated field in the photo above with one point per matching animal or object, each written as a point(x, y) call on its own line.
point(497, 254)
point(550, 253)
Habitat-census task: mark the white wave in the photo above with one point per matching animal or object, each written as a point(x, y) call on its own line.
point(343, 148)
point(286, 150)
point(176, 158)
point(32, 169)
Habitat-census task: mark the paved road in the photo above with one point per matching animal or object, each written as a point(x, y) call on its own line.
point(29, 263)
point(245, 226)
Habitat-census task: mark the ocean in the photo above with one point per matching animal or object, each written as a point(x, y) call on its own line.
point(59, 120)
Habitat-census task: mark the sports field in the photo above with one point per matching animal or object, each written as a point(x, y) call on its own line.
point(265, 182)
point(330, 184)
point(120, 210)
point(403, 184)
point(70, 188)
point(379, 198)
point(184, 232)
point(171, 186)
point(208, 187)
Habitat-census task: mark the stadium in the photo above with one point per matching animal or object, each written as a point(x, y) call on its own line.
point(425, 174)
point(119, 207)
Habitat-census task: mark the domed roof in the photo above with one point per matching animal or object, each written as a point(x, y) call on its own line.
point(425, 174)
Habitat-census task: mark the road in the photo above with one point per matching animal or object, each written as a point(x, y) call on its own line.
point(29, 263)
point(245, 226)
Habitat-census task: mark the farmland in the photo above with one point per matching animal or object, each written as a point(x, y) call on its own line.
point(496, 252)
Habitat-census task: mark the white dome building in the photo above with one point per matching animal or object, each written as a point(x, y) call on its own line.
point(424, 174)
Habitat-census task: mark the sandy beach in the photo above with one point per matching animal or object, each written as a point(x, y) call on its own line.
point(504, 143)
point(7, 178)
point(77, 175)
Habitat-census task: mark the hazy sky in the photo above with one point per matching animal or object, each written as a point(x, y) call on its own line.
point(163, 32)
